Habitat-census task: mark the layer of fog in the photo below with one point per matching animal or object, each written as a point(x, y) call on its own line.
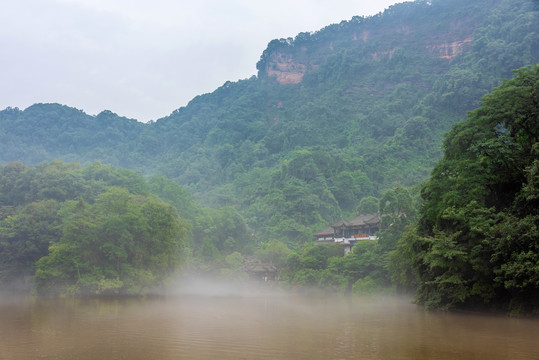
point(215, 286)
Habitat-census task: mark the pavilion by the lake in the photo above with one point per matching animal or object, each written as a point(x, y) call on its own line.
point(360, 228)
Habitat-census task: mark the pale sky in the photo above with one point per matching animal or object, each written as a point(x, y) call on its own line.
point(144, 59)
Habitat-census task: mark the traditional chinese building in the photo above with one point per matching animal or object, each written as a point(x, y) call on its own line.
point(362, 227)
point(258, 270)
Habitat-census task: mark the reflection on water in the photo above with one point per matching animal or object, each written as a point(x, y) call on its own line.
point(255, 327)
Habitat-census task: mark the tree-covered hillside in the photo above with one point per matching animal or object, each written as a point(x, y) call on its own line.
point(476, 243)
point(96, 230)
point(102, 230)
point(333, 116)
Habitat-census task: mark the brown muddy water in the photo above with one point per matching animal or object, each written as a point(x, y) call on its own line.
point(254, 326)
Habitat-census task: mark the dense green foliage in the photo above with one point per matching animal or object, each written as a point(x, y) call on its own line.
point(122, 243)
point(103, 230)
point(477, 239)
point(366, 269)
point(369, 114)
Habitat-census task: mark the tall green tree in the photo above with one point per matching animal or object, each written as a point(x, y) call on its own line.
point(25, 238)
point(121, 244)
point(476, 239)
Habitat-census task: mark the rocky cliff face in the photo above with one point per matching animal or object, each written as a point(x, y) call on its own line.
point(450, 50)
point(375, 38)
point(285, 69)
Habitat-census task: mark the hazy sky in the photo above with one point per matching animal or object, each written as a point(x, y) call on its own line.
point(144, 59)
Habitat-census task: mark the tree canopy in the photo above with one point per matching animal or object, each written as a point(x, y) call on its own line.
point(122, 243)
point(476, 242)
point(103, 230)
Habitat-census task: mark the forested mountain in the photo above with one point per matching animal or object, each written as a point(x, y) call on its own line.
point(332, 117)
point(98, 229)
point(476, 243)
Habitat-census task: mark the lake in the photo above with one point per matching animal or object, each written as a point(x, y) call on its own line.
point(255, 325)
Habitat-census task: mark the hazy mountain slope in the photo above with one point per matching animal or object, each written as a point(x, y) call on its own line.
point(48, 131)
point(332, 116)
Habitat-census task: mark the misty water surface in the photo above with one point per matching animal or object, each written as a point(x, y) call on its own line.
point(254, 324)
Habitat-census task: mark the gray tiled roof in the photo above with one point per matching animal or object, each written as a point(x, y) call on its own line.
point(358, 221)
point(340, 223)
point(327, 231)
point(365, 219)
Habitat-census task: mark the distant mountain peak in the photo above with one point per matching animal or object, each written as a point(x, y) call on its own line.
point(418, 25)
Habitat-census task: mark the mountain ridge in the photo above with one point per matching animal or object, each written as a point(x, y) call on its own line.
point(276, 59)
point(362, 119)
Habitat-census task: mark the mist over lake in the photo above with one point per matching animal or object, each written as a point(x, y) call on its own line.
point(254, 324)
